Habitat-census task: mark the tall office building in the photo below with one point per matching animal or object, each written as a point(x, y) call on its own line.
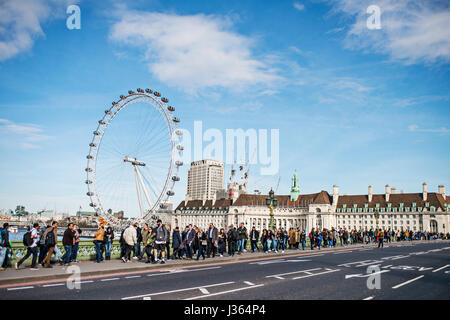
point(205, 178)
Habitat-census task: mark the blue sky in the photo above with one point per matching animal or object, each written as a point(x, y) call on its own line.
point(354, 106)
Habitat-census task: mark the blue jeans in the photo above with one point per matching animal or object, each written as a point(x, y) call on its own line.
point(200, 252)
point(2, 255)
point(75, 251)
point(108, 249)
point(303, 244)
point(98, 248)
point(66, 257)
point(241, 245)
point(275, 244)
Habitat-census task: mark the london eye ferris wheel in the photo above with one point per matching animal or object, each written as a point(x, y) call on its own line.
point(134, 157)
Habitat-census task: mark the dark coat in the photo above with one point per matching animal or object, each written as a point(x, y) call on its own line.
point(176, 239)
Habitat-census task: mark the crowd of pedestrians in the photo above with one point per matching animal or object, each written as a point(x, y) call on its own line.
point(156, 244)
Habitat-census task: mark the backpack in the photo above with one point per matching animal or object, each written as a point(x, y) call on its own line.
point(50, 239)
point(27, 240)
point(234, 235)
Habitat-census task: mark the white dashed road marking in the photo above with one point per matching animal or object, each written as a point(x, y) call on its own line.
point(406, 282)
point(20, 288)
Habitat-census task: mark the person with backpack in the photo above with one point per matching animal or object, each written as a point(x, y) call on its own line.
point(30, 240)
point(42, 247)
point(51, 241)
point(162, 237)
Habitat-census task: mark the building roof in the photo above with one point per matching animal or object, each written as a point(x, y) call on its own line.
point(435, 199)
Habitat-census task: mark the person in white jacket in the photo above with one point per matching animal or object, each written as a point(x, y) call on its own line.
point(130, 239)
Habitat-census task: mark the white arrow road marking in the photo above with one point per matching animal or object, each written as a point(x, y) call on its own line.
point(279, 276)
point(225, 292)
point(203, 290)
point(316, 274)
point(360, 275)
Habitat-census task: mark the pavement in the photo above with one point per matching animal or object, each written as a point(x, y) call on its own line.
point(418, 270)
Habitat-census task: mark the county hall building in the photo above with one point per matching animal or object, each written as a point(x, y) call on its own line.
point(422, 211)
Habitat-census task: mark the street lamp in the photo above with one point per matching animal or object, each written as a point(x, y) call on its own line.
point(377, 215)
point(271, 203)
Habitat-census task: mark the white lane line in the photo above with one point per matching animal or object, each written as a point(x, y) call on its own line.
point(315, 274)
point(406, 282)
point(225, 292)
point(110, 279)
point(147, 298)
point(249, 283)
point(360, 275)
point(20, 288)
point(201, 269)
point(447, 265)
point(131, 277)
point(368, 298)
point(203, 290)
point(53, 285)
point(311, 256)
point(285, 274)
point(179, 290)
point(298, 260)
point(268, 261)
point(88, 281)
point(182, 270)
point(158, 274)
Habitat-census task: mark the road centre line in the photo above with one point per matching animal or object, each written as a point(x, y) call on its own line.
point(110, 279)
point(406, 282)
point(131, 277)
point(53, 285)
point(178, 290)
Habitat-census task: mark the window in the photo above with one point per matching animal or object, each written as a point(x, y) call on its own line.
point(413, 204)
point(407, 209)
point(401, 204)
point(432, 209)
point(394, 209)
point(388, 209)
point(338, 210)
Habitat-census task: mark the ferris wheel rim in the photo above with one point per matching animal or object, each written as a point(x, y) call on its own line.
point(170, 123)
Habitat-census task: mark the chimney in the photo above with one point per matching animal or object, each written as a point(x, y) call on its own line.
point(370, 193)
point(387, 192)
point(441, 189)
point(335, 195)
point(425, 193)
point(393, 191)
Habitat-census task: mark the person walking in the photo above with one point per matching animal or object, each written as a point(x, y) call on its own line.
point(137, 246)
point(4, 246)
point(201, 238)
point(108, 239)
point(303, 239)
point(129, 240)
point(169, 257)
point(32, 248)
point(264, 237)
point(148, 239)
point(242, 231)
point(188, 242)
point(232, 237)
point(311, 238)
point(213, 235)
point(51, 242)
point(98, 241)
point(68, 242)
point(222, 242)
point(42, 247)
point(77, 233)
point(380, 239)
point(254, 236)
point(176, 243)
point(162, 237)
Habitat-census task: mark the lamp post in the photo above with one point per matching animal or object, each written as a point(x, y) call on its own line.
point(377, 215)
point(271, 203)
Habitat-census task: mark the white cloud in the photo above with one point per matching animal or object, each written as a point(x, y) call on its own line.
point(412, 31)
point(26, 135)
point(20, 23)
point(193, 51)
point(299, 6)
point(442, 131)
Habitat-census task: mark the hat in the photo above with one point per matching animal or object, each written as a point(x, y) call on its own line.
point(159, 220)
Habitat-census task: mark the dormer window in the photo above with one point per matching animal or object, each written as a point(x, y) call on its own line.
point(427, 204)
point(413, 204)
point(377, 205)
point(401, 204)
